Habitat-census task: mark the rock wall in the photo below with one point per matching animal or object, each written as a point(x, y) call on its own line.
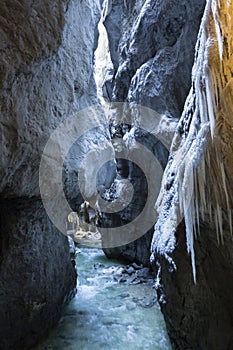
point(37, 277)
point(197, 316)
point(152, 49)
point(197, 187)
point(46, 75)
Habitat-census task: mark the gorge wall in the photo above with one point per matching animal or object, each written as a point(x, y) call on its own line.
point(152, 50)
point(200, 191)
point(46, 76)
point(152, 56)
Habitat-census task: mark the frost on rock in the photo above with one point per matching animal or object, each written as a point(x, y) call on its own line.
point(197, 180)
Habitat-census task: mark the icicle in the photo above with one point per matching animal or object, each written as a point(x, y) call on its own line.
point(217, 28)
point(196, 202)
point(202, 106)
point(190, 240)
point(107, 7)
point(210, 106)
point(224, 184)
point(220, 224)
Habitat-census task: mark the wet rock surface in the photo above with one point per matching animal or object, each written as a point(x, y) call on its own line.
point(129, 274)
point(132, 275)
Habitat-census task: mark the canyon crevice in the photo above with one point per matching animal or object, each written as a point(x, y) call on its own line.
point(174, 57)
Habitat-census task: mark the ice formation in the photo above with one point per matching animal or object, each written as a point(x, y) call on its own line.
point(197, 179)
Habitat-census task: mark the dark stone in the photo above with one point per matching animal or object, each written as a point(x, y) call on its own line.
point(132, 279)
point(137, 251)
point(98, 265)
point(122, 280)
point(198, 316)
point(44, 78)
point(136, 266)
point(36, 274)
point(129, 270)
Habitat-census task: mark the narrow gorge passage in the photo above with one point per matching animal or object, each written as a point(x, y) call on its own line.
point(115, 308)
point(116, 305)
point(131, 119)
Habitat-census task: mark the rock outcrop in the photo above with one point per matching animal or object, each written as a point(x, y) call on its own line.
point(46, 76)
point(152, 50)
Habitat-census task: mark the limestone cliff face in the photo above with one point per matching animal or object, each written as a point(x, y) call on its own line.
point(152, 49)
point(46, 75)
point(197, 186)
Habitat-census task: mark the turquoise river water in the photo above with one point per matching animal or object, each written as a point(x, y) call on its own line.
point(107, 314)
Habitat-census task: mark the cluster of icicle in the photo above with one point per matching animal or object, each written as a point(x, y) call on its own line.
point(196, 181)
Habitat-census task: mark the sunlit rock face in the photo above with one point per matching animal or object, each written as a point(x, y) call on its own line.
point(152, 49)
point(197, 186)
point(46, 75)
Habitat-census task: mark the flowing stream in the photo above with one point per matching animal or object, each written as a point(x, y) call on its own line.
point(112, 310)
